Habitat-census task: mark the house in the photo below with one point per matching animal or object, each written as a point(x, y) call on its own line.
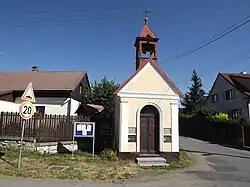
point(230, 94)
point(58, 93)
point(146, 106)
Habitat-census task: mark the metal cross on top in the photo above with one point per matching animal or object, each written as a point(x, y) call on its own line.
point(146, 16)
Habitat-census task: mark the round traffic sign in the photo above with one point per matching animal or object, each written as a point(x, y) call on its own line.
point(27, 110)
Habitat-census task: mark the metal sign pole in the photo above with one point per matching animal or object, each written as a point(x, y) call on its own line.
point(26, 111)
point(73, 141)
point(73, 146)
point(93, 146)
point(21, 143)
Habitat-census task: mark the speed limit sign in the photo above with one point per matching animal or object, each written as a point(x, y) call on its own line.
point(27, 110)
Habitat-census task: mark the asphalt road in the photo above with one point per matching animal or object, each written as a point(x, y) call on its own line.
point(215, 166)
point(226, 166)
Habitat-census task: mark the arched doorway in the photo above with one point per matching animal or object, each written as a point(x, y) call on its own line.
point(149, 130)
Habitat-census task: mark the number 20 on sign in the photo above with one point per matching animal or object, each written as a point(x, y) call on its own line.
point(27, 110)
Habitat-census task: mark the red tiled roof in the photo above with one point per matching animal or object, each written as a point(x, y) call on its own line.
point(228, 75)
point(147, 31)
point(61, 80)
point(232, 79)
point(163, 74)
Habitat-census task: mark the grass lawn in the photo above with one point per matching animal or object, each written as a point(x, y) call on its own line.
point(184, 162)
point(82, 167)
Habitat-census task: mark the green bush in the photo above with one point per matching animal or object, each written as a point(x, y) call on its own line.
point(200, 113)
point(222, 117)
point(205, 112)
point(210, 115)
point(109, 154)
point(186, 116)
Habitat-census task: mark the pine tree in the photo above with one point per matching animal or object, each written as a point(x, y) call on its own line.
point(194, 98)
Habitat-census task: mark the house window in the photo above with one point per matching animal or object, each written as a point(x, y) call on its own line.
point(167, 135)
point(40, 109)
point(235, 113)
point(215, 98)
point(229, 94)
point(81, 89)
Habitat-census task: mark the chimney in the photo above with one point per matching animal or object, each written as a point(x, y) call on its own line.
point(243, 72)
point(34, 68)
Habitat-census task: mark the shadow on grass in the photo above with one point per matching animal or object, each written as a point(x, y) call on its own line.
point(1, 158)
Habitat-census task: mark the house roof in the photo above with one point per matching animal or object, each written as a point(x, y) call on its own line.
point(88, 109)
point(4, 92)
point(238, 80)
point(51, 80)
point(162, 73)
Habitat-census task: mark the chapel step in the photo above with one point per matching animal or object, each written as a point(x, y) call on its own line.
point(151, 161)
point(149, 155)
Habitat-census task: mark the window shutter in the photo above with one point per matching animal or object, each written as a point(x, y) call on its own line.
point(224, 95)
point(240, 112)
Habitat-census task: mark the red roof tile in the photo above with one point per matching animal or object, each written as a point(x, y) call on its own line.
point(163, 74)
point(231, 78)
point(147, 31)
point(227, 75)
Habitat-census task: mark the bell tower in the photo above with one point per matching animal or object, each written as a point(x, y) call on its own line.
point(146, 45)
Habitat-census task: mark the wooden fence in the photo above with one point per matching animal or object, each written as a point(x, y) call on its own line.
point(227, 134)
point(55, 128)
point(44, 129)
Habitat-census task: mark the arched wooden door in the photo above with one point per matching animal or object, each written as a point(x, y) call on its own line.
point(149, 130)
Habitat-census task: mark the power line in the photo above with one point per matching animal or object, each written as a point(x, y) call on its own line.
point(226, 63)
point(73, 10)
point(213, 39)
point(47, 17)
point(70, 21)
point(98, 9)
point(235, 57)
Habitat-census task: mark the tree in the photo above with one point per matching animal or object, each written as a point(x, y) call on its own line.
point(194, 98)
point(102, 93)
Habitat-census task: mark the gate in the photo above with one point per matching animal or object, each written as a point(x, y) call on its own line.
point(246, 135)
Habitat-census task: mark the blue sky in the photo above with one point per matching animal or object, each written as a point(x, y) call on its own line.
point(98, 36)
